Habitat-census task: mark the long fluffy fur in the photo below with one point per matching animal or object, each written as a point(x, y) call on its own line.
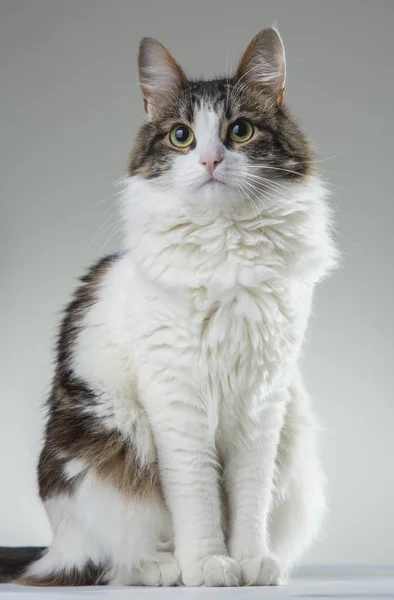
point(180, 444)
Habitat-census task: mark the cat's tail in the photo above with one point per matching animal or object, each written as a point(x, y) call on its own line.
point(13, 561)
point(299, 504)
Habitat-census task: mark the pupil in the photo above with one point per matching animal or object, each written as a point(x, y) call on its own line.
point(182, 134)
point(240, 129)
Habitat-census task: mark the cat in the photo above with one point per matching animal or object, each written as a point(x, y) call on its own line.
point(180, 445)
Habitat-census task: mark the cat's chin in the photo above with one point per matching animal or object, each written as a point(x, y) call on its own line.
point(215, 194)
point(213, 184)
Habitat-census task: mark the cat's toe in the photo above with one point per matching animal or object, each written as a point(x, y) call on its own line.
point(212, 571)
point(163, 572)
point(262, 570)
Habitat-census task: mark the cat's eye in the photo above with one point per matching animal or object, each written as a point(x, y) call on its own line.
point(241, 131)
point(181, 136)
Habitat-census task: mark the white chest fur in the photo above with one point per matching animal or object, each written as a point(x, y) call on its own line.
point(215, 304)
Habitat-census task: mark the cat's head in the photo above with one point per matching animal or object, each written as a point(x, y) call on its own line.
point(221, 141)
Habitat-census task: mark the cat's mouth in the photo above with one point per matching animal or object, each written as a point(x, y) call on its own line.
point(213, 182)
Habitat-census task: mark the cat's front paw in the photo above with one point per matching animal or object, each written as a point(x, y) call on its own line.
point(212, 571)
point(262, 570)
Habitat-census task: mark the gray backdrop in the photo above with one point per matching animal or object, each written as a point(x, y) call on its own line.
point(70, 106)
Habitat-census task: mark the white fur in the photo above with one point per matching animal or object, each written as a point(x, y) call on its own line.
point(190, 177)
point(98, 523)
point(74, 467)
point(193, 345)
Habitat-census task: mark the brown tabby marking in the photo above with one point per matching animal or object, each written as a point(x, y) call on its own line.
point(278, 137)
point(124, 471)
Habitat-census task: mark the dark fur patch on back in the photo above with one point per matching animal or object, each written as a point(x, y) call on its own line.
point(280, 144)
point(84, 297)
point(72, 431)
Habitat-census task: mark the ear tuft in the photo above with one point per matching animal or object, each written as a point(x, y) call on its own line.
point(263, 63)
point(159, 74)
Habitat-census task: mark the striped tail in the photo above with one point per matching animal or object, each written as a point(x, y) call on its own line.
point(13, 561)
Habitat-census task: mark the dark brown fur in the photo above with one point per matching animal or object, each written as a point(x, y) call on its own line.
point(91, 574)
point(73, 433)
point(15, 560)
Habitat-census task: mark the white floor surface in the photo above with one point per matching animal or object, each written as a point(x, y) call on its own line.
point(368, 583)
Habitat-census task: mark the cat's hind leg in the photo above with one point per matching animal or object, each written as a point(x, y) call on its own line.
point(299, 504)
point(102, 536)
point(74, 558)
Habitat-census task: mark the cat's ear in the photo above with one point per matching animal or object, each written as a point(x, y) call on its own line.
point(263, 63)
point(159, 73)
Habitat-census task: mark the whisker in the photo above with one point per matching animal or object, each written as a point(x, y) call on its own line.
point(239, 190)
point(118, 227)
point(258, 197)
point(327, 183)
point(320, 160)
point(102, 227)
point(93, 206)
point(269, 167)
point(267, 182)
point(259, 187)
point(261, 194)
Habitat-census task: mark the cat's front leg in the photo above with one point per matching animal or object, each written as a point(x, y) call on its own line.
point(249, 471)
point(188, 472)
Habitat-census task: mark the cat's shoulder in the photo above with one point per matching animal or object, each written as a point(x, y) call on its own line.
point(97, 270)
point(84, 297)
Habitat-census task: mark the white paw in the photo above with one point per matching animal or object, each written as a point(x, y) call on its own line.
point(212, 571)
point(262, 570)
point(163, 572)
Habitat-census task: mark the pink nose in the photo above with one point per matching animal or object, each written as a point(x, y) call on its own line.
point(211, 162)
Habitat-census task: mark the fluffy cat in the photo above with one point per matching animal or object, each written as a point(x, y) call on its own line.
point(180, 445)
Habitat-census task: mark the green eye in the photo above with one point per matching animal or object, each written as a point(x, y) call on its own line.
point(241, 131)
point(181, 136)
